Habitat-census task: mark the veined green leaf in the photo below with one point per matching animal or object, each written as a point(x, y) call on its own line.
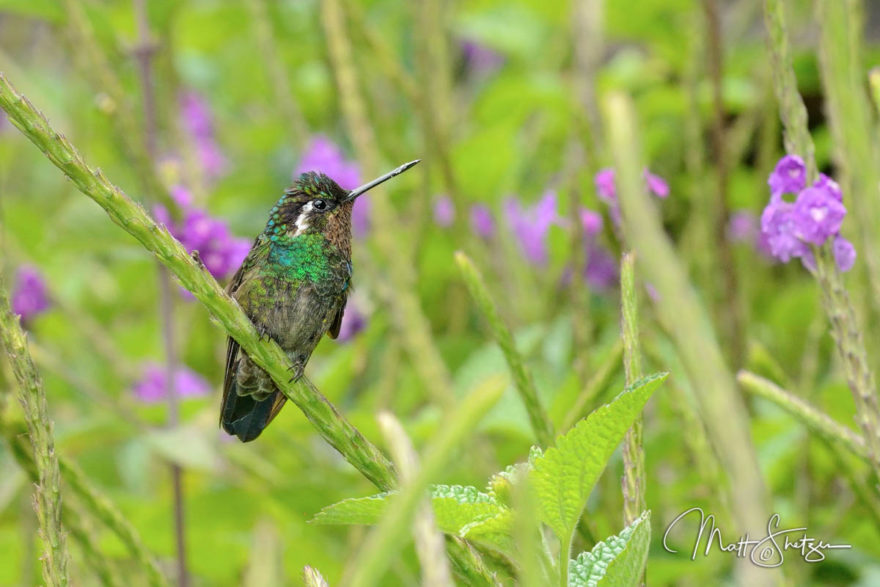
point(616, 561)
point(494, 531)
point(455, 506)
point(565, 474)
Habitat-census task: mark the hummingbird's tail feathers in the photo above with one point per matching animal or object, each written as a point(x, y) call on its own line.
point(245, 417)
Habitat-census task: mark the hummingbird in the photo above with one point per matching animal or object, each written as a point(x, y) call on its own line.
point(293, 285)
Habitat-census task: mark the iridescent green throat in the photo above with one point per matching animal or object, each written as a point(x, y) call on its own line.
point(303, 257)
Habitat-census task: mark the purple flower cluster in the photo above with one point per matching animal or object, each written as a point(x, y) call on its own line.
point(197, 120)
point(480, 58)
point(601, 272)
point(324, 156)
point(151, 387)
point(30, 297)
point(530, 225)
point(219, 250)
point(354, 321)
point(743, 227)
point(606, 189)
point(814, 218)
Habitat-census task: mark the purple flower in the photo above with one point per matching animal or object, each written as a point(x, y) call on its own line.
point(482, 221)
point(324, 156)
point(480, 58)
point(601, 271)
point(818, 215)
point(30, 296)
point(219, 250)
point(353, 322)
point(530, 225)
point(151, 387)
point(789, 177)
point(815, 216)
point(444, 211)
point(196, 119)
point(778, 226)
point(742, 227)
point(591, 221)
point(606, 189)
point(844, 253)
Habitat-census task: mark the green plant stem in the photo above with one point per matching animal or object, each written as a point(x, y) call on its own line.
point(376, 552)
point(410, 322)
point(93, 501)
point(522, 377)
point(844, 326)
point(812, 417)
point(428, 539)
point(633, 482)
point(47, 490)
point(682, 314)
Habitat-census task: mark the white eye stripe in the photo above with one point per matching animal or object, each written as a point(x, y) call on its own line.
point(302, 220)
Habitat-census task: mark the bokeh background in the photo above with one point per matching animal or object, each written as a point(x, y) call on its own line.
point(502, 102)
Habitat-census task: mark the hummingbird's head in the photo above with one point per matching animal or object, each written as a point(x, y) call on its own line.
point(317, 204)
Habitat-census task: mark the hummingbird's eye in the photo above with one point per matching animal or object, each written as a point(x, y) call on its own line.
point(319, 205)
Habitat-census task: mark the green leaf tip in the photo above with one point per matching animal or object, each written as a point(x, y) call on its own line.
point(617, 561)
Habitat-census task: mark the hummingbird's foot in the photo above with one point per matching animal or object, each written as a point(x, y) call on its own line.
point(297, 371)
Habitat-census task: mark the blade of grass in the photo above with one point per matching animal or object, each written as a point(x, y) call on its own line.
point(522, 377)
point(47, 490)
point(384, 541)
point(633, 482)
point(680, 311)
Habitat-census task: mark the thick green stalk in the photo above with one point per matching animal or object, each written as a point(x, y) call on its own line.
point(47, 490)
point(411, 323)
point(156, 239)
point(633, 482)
point(844, 326)
point(522, 377)
point(384, 541)
point(681, 312)
point(812, 417)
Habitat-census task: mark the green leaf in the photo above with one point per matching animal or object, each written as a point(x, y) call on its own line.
point(455, 506)
point(494, 531)
point(616, 561)
point(565, 474)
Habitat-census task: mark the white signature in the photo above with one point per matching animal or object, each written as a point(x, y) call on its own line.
point(767, 552)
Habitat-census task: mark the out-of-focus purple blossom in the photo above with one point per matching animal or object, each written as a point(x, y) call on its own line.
point(444, 211)
point(353, 322)
point(789, 177)
point(219, 250)
point(322, 155)
point(197, 119)
point(818, 215)
point(482, 221)
point(606, 185)
point(601, 271)
point(815, 216)
point(30, 297)
point(844, 253)
point(480, 58)
point(530, 225)
point(151, 387)
point(591, 221)
point(742, 227)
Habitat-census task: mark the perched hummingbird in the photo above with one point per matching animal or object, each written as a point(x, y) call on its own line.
point(293, 285)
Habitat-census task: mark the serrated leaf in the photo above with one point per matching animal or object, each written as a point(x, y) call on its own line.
point(493, 531)
point(566, 473)
point(455, 506)
point(617, 561)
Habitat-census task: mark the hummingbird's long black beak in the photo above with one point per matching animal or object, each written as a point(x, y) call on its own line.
point(370, 185)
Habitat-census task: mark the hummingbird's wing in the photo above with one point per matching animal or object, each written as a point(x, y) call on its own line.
point(333, 332)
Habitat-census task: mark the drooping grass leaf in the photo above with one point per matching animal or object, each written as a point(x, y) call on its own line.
point(616, 561)
point(565, 474)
